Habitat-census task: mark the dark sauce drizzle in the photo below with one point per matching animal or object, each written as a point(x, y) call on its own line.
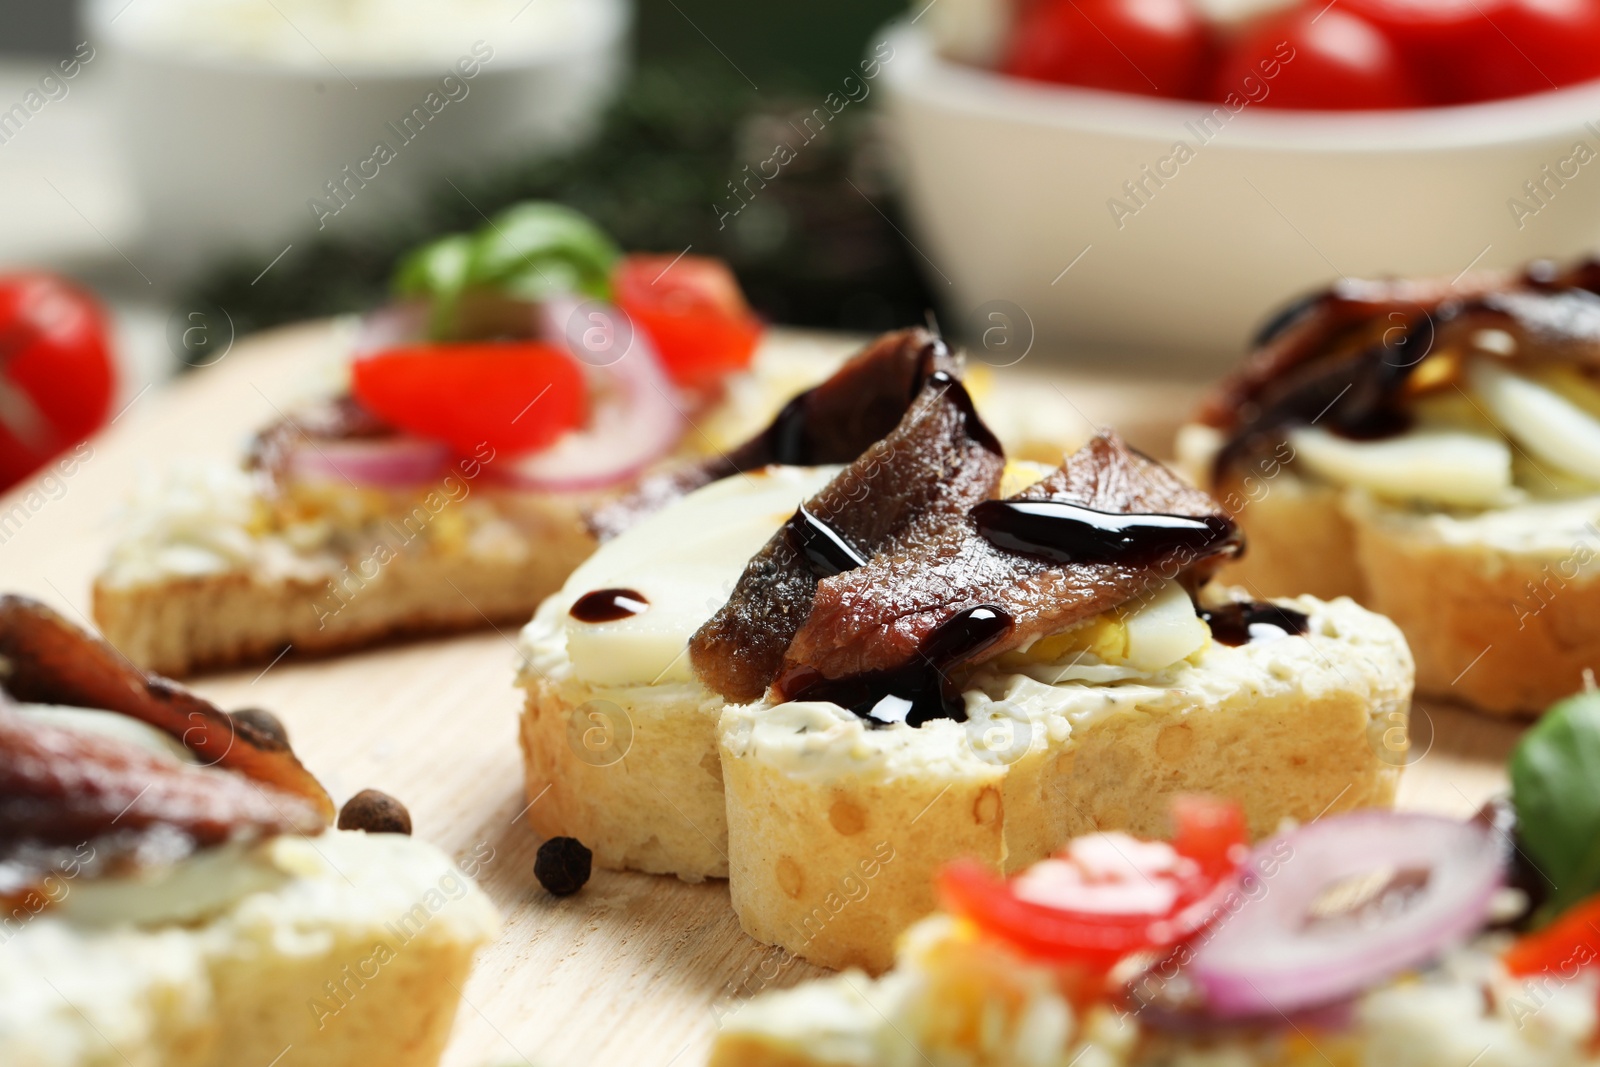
point(825, 550)
point(918, 692)
point(1231, 623)
point(1070, 533)
point(609, 605)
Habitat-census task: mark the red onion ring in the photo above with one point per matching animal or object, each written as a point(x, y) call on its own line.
point(1268, 958)
point(376, 462)
point(633, 421)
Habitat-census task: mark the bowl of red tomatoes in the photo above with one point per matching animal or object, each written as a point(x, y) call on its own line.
point(1156, 174)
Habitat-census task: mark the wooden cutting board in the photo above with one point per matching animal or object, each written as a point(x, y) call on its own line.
point(635, 969)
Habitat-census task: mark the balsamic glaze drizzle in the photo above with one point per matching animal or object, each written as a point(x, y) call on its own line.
point(921, 690)
point(609, 605)
point(1070, 533)
point(1231, 623)
point(826, 552)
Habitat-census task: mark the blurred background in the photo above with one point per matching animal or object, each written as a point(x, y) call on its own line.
point(167, 179)
point(1133, 184)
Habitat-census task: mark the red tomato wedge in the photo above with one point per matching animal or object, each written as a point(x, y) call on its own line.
point(1564, 947)
point(693, 312)
point(1316, 59)
point(515, 396)
point(56, 374)
point(1153, 47)
point(1109, 895)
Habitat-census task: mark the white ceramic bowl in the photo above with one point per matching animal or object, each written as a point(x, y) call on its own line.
point(1010, 183)
point(230, 146)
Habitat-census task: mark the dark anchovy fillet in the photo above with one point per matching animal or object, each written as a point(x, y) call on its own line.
point(45, 659)
point(1344, 358)
point(835, 422)
point(69, 797)
point(878, 617)
point(907, 488)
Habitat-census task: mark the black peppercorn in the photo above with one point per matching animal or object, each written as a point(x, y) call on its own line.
point(375, 813)
point(563, 865)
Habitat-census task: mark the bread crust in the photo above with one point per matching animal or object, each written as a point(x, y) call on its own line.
point(1510, 633)
point(632, 773)
point(211, 622)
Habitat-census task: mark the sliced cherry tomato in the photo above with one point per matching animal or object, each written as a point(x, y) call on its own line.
point(1153, 47)
point(1109, 895)
point(516, 396)
point(1471, 50)
point(56, 374)
point(1317, 59)
point(693, 312)
point(1564, 947)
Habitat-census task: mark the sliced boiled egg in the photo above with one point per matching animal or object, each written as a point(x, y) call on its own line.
point(1551, 427)
point(1438, 466)
point(1149, 634)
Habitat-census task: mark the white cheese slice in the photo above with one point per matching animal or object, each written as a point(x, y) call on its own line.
point(1551, 427)
point(684, 561)
point(1442, 467)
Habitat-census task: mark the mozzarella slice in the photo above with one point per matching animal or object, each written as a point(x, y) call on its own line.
point(1552, 428)
point(1442, 467)
point(684, 561)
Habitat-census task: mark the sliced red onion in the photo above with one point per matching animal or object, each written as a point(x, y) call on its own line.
point(1270, 957)
point(633, 421)
point(376, 462)
point(634, 417)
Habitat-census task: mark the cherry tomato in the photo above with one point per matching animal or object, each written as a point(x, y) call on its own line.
point(693, 312)
point(1153, 47)
point(1471, 50)
point(56, 374)
point(517, 396)
point(1315, 58)
point(1563, 947)
point(1108, 895)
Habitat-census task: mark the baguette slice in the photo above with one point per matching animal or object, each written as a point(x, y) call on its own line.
point(349, 948)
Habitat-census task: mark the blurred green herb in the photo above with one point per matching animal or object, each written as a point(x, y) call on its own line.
point(1555, 787)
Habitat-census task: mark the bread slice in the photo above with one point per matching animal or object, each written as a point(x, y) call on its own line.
point(338, 951)
point(828, 831)
point(254, 607)
point(955, 1000)
point(1501, 607)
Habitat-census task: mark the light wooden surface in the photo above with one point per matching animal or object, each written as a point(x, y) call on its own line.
point(633, 969)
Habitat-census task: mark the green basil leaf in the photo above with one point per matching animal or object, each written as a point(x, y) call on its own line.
point(538, 249)
point(436, 269)
point(1555, 787)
